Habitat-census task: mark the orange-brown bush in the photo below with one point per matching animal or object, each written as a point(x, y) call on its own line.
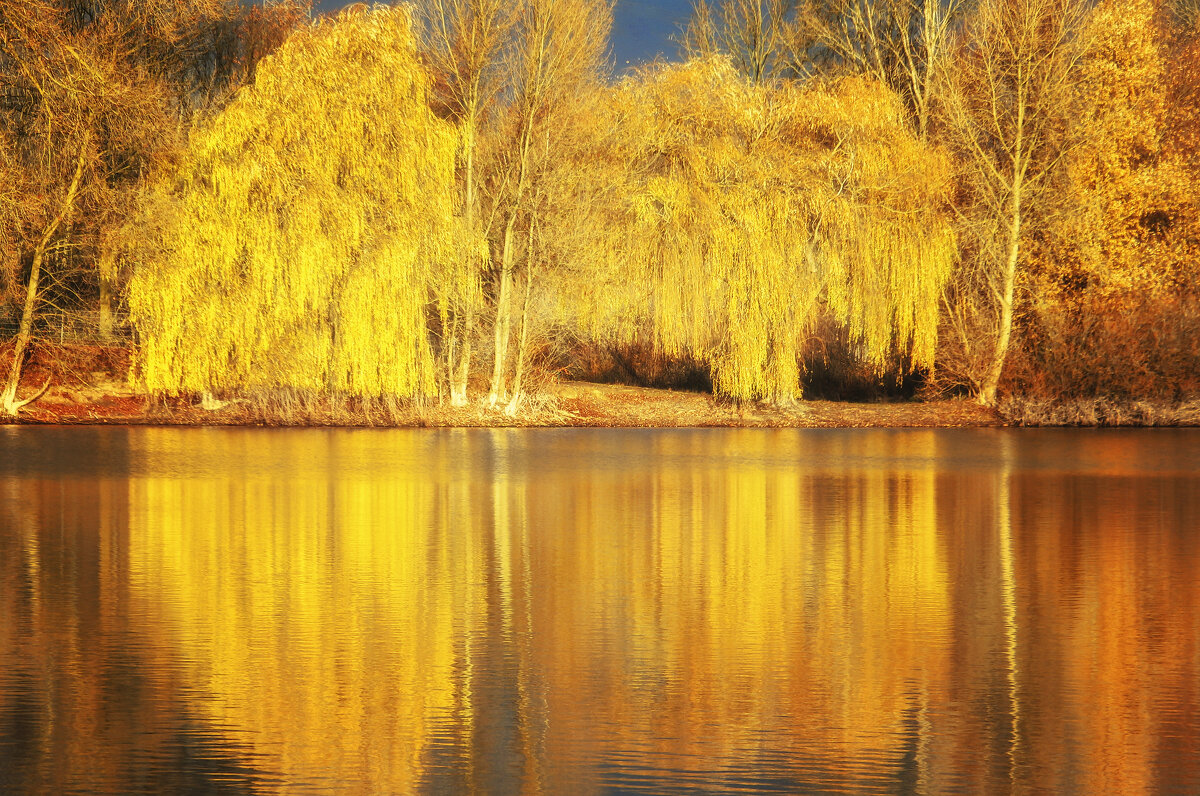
point(1114, 297)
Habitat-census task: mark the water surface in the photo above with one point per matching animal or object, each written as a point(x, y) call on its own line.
point(599, 611)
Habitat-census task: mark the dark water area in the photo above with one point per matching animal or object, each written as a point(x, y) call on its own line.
point(599, 611)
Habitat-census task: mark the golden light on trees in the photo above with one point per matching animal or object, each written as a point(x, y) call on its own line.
point(1118, 255)
point(307, 228)
point(1007, 102)
point(749, 211)
point(463, 42)
point(558, 53)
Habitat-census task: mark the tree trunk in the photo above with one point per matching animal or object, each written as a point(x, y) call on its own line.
point(515, 403)
point(1006, 299)
point(450, 335)
point(9, 405)
point(458, 384)
point(460, 371)
point(107, 261)
point(499, 390)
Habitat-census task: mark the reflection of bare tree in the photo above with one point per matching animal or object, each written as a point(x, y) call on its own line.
point(1008, 591)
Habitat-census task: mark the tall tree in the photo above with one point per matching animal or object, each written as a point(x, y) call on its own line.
point(296, 246)
point(1007, 99)
point(95, 91)
point(560, 49)
point(463, 42)
point(746, 213)
point(58, 83)
point(1118, 252)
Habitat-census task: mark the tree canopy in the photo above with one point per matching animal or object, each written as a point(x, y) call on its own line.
point(749, 211)
point(309, 223)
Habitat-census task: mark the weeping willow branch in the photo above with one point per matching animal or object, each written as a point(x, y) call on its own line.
point(309, 228)
point(749, 211)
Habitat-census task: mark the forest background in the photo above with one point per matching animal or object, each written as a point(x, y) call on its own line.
point(457, 200)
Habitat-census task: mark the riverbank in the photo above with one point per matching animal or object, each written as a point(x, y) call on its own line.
point(564, 404)
point(89, 386)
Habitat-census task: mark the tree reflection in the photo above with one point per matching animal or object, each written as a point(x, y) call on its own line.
point(566, 612)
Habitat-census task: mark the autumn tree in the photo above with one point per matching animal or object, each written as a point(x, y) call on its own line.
point(903, 44)
point(559, 50)
point(57, 84)
point(207, 49)
point(748, 212)
point(95, 94)
point(1118, 253)
point(463, 43)
point(1007, 102)
point(192, 54)
point(295, 247)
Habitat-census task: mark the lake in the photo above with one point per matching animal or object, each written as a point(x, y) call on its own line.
point(599, 611)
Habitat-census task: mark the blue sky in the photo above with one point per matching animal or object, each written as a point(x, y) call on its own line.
point(642, 29)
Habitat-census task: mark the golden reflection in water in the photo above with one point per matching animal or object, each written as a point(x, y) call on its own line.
point(397, 612)
point(358, 623)
point(63, 663)
point(1111, 611)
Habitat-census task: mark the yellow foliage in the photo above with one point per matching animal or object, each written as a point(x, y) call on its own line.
point(1128, 199)
point(307, 228)
point(750, 210)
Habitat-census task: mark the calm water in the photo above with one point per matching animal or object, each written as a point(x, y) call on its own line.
point(583, 611)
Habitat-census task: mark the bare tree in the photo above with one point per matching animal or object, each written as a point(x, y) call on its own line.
point(901, 43)
point(560, 48)
point(462, 43)
point(758, 35)
point(58, 84)
point(95, 92)
point(1007, 102)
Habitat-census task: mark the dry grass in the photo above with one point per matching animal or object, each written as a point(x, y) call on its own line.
point(1023, 411)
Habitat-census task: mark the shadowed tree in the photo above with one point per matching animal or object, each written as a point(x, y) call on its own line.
point(57, 83)
point(94, 93)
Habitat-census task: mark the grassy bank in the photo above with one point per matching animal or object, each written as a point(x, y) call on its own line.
point(1104, 412)
point(565, 404)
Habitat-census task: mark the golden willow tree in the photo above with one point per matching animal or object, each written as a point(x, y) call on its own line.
point(307, 229)
point(749, 211)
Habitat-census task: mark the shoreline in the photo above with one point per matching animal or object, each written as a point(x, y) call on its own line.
point(561, 405)
point(93, 389)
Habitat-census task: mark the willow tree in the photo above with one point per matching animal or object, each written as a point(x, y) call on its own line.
point(306, 228)
point(750, 211)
